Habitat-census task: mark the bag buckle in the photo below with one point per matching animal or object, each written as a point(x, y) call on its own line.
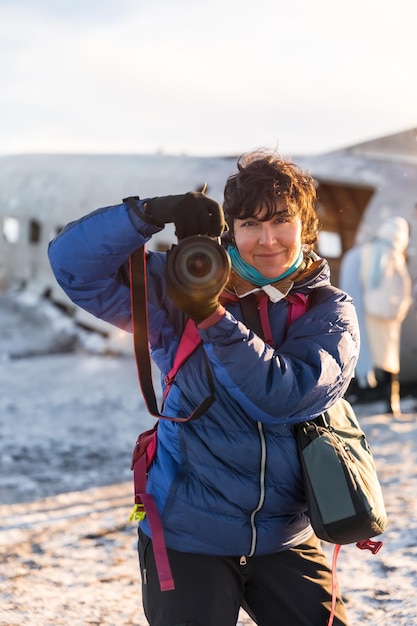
point(368, 544)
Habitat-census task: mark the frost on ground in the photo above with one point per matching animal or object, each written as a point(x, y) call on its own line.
point(67, 551)
point(70, 560)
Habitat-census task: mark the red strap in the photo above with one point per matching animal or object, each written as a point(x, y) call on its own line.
point(138, 291)
point(263, 314)
point(297, 306)
point(163, 568)
point(367, 544)
point(139, 477)
point(166, 580)
point(334, 584)
point(189, 341)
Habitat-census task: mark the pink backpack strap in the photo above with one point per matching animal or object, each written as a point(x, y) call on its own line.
point(297, 306)
point(264, 317)
point(166, 580)
point(190, 340)
point(143, 455)
point(145, 502)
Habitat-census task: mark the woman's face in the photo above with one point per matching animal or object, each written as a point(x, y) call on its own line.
point(271, 247)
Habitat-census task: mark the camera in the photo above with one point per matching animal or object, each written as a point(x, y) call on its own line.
point(198, 266)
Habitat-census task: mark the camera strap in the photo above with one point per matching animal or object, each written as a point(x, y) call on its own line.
point(139, 306)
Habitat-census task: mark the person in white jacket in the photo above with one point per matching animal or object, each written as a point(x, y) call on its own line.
point(375, 274)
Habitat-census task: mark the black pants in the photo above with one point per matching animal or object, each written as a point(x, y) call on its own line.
point(290, 588)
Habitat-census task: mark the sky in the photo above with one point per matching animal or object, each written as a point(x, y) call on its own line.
point(203, 77)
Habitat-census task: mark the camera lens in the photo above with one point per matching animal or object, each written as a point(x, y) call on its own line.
point(199, 264)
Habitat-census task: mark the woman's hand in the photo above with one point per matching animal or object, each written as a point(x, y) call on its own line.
point(193, 213)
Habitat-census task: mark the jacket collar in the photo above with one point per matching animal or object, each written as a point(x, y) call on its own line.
point(238, 287)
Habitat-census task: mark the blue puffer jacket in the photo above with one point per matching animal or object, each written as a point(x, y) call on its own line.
point(228, 483)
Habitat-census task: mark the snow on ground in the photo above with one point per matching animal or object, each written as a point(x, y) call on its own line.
point(69, 417)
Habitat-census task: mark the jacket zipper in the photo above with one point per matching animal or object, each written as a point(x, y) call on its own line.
point(261, 500)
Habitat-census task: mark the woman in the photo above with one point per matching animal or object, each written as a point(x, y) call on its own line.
point(228, 485)
point(375, 274)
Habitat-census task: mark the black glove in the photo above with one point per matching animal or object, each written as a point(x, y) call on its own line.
point(193, 213)
point(197, 307)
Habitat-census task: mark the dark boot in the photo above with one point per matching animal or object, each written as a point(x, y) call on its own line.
point(389, 392)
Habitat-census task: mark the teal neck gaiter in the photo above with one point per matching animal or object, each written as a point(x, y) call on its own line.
point(249, 273)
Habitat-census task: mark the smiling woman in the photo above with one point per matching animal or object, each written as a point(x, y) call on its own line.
point(272, 247)
point(270, 210)
point(227, 486)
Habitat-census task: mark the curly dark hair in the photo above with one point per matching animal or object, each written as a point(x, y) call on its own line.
point(264, 180)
